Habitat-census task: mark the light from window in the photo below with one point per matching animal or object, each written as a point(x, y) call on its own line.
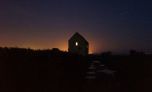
point(76, 43)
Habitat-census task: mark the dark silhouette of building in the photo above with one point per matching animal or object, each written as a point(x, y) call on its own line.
point(78, 44)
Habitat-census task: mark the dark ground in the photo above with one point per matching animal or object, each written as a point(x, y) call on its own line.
point(25, 70)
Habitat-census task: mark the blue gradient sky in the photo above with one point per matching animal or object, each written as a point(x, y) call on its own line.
point(115, 25)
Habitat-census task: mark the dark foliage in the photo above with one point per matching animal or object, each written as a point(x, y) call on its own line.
point(26, 70)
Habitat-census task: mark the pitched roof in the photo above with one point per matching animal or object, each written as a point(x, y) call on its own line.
point(78, 35)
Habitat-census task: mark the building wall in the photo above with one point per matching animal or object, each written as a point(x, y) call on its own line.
point(82, 47)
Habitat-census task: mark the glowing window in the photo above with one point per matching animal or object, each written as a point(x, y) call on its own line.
point(76, 43)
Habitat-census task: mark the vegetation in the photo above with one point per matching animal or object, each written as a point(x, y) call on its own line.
point(27, 70)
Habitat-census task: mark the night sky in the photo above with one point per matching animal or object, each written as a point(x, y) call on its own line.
point(115, 25)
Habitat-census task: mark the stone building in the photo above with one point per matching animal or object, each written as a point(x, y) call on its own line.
point(78, 44)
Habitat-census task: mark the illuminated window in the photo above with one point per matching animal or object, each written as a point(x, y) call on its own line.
point(76, 43)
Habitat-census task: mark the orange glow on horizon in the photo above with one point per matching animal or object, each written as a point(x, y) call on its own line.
point(43, 44)
point(62, 45)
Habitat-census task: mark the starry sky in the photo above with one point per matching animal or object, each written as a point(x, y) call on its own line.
point(108, 25)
